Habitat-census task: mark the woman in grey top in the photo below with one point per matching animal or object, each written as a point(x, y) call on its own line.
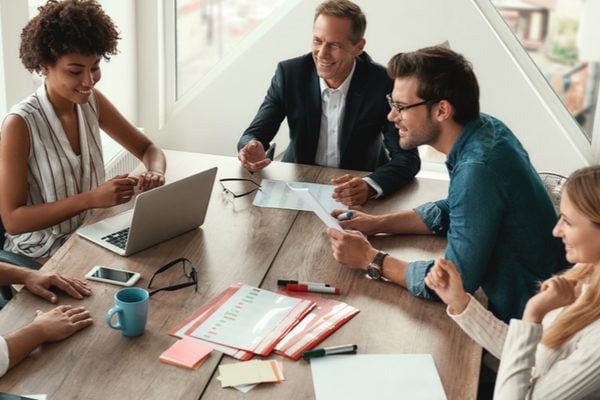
point(51, 165)
point(552, 352)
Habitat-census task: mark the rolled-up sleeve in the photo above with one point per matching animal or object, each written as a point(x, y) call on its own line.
point(470, 219)
point(435, 217)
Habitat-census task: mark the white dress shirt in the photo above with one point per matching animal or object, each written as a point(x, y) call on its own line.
point(333, 105)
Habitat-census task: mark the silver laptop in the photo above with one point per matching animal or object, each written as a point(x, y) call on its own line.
point(157, 215)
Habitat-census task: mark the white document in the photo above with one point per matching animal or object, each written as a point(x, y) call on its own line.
point(277, 194)
point(247, 319)
point(313, 205)
point(381, 376)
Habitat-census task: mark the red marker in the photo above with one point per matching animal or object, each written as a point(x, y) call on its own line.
point(297, 287)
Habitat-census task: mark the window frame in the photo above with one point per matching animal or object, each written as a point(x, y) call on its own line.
point(590, 151)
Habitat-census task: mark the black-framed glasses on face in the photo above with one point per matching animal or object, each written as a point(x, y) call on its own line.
point(234, 195)
point(189, 271)
point(398, 108)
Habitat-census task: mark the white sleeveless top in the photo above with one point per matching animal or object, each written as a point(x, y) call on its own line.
point(55, 171)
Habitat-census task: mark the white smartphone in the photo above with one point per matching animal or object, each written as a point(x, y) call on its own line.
point(113, 275)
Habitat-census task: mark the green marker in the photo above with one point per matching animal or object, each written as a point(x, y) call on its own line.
point(328, 351)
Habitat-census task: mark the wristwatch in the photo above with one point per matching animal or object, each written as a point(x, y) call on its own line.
point(375, 267)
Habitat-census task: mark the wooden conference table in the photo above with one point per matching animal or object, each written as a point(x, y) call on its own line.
point(238, 243)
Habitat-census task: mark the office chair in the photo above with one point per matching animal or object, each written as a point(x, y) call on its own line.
point(553, 184)
point(7, 291)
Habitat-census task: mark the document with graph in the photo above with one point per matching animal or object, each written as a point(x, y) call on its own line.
point(251, 319)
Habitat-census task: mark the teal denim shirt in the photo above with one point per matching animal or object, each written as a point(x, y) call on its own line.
point(498, 220)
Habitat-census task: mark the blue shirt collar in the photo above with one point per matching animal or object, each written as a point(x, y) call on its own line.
point(465, 135)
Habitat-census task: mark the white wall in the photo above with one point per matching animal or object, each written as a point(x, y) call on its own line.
point(119, 75)
point(213, 115)
point(15, 81)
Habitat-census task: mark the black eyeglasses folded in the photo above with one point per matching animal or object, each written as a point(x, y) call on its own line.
point(189, 271)
point(237, 195)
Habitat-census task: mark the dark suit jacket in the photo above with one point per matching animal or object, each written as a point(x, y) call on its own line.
point(365, 135)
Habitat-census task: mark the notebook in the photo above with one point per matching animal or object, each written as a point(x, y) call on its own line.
point(157, 215)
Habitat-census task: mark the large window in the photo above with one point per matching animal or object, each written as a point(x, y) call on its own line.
point(208, 29)
point(564, 47)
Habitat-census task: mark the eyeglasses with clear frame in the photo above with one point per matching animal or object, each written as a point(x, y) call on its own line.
point(234, 195)
point(398, 108)
point(189, 271)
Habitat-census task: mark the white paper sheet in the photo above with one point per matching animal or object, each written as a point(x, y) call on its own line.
point(313, 205)
point(277, 194)
point(381, 376)
point(247, 318)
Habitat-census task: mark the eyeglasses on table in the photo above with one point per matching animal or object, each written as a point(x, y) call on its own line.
point(234, 195)
point(189, 271)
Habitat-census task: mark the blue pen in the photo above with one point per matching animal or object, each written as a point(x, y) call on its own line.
point(344, 216)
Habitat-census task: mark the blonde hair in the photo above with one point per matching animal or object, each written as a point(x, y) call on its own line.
point(583, 189)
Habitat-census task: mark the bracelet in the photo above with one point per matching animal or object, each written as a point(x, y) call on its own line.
point(156, 172)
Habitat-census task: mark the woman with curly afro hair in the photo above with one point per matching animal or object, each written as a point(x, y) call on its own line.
point(51, 165)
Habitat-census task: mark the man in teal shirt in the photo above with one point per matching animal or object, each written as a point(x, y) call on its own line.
point(497, 217)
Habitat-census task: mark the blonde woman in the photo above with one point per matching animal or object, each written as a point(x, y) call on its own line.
point(553, 351)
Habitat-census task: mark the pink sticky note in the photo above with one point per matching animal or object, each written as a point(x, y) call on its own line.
point(185, 353)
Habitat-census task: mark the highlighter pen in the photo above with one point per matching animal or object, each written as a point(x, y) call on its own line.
point(297, 287)
point(344, 216)
point(283, 282)
point(328, 351)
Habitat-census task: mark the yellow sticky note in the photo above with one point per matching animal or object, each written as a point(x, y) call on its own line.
point(248, 372)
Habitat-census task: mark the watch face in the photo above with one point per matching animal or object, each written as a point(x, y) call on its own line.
point(374, 272)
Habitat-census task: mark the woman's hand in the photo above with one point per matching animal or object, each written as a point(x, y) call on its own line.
point(61, 322)
point(555, 292)
point(40, 282)
point(150, 180)
point(117, 190)
point(445, 280)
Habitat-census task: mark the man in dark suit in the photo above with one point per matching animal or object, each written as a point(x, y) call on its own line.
point(335, 104)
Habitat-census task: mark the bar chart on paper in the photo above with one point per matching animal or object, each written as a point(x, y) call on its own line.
point(251, 319)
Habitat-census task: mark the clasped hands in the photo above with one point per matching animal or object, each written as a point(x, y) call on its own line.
point(121, 188)
point(349, 190)
point(554, 293)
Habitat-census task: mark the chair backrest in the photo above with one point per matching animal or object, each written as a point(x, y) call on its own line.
point(2, 232)
point(553, 184)
point(12, 258)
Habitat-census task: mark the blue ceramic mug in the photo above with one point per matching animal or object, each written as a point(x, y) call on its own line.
point(131, 307)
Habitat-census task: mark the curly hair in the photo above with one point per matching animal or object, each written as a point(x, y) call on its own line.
point(70, 26)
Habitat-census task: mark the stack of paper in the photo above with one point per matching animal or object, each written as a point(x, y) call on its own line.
point(244, 320)
point(322, 321)
point(186, 353)
point(250, 372)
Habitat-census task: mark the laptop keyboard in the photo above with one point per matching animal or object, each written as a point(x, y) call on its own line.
point(118, 239)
